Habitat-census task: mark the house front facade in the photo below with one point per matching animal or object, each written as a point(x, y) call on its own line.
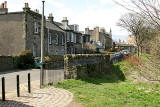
point(100, 37)
point(21, 31)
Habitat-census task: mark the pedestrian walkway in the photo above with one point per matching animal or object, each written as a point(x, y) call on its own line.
point(46, 97)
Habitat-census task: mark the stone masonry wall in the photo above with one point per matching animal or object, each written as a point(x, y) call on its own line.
point(12, 34)
point(6, 63)
point(81, 66)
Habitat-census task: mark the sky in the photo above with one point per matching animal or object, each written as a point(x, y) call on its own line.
point(85, 13)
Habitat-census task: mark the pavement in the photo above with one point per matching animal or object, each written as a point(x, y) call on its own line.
point(46, 97)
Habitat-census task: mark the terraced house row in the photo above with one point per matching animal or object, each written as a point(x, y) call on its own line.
point(21, 31)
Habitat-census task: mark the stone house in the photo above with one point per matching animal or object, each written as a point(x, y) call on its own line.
point(74, 38)
point(86, 38)
point(100, 36)
point(20, 31)
point(56, 37)
point(131, 40)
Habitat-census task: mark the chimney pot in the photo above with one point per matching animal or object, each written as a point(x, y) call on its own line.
point(64, 18)
point(26, 5)
point(51, 18)
point(2, 5)
point(50, 15)
point(5, 4)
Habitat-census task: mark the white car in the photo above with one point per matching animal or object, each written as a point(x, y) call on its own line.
point(125, 52)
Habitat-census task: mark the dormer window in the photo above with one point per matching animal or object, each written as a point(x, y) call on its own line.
point(36, 27)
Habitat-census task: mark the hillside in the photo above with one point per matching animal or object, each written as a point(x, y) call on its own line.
point(143, 69)
point(127, 85)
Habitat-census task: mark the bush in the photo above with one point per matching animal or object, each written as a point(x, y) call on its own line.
point(25, 60)
point(54, 58)
point(133, 60)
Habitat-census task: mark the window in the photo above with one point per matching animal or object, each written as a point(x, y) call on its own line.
point(56, 39)
point(81, 39)
point(36, 27)
point(62, 40)
point(72, 37)
point(50, 39)
point(68, 37)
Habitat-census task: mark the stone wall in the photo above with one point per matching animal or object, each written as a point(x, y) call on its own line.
point(81, 66)
point(12, 37)
point(6, 63)
point(53, 76)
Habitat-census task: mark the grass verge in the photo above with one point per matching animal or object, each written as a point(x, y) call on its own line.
point(114, 89)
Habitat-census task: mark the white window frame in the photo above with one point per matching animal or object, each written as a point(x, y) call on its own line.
point(72, 37)
point(62, 40)
point(56, 39)
point(81, 40)
point(50, 39)
point(68, 37)
point(36, 30)
point(75, 36)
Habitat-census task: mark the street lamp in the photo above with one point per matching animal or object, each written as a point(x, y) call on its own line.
point(42, 48)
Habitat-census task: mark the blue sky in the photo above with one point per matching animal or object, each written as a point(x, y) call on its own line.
point(86, 13)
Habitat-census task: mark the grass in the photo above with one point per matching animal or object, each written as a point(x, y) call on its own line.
point(114, 89)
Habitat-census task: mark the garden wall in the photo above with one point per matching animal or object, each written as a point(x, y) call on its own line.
point(81, 66)
point(6, 63)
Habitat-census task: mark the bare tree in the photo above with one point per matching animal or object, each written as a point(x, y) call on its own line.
point(136, 25)
point(147, 9)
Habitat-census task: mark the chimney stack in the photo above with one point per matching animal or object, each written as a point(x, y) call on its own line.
point(2, 5)
point(65, 21)
point(3, 8)
point(87, 30)
point(5, 4)
point(26, 7)
point(51, 18)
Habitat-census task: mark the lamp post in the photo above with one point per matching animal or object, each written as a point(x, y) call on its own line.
point(42, 48)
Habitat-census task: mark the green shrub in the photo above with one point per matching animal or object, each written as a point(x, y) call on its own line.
point(54, 58)
point(25, 59)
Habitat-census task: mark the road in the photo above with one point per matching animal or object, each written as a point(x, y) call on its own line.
point(10, 78)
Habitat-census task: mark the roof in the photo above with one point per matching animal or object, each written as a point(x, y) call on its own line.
point(53, 26)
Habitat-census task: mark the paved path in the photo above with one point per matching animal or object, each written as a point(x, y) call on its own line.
point(10, 78)
point(47, 97)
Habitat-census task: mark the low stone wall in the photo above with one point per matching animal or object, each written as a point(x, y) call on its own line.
point(6, 63)
point(54, 65)
point(81, 66)
point(52, 76)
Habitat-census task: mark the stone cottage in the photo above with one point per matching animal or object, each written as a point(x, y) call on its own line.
point(101, 37)
point(56, 37)
point(20, 31)
point(74, 37)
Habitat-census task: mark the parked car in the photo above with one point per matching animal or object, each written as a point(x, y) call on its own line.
point(125, 52)
point(117, 54)
point(37, 62)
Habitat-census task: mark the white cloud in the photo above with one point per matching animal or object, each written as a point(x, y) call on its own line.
point(97, 16)
point(55, 3)
point(105, 14)
point(104, 2)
